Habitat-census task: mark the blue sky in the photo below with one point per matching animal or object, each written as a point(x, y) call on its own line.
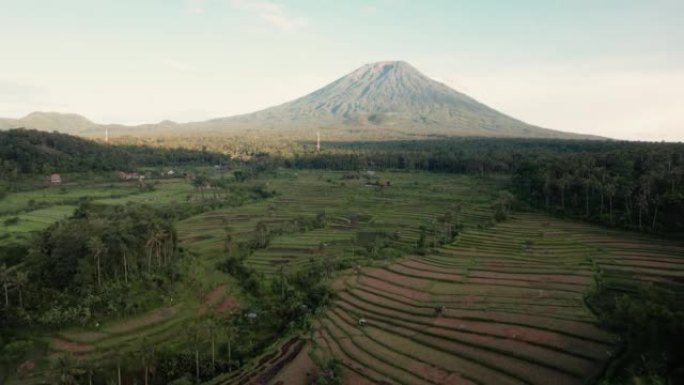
point(609, 67)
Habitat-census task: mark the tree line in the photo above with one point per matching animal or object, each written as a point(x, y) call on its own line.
point(30, 151)
point(631, 185)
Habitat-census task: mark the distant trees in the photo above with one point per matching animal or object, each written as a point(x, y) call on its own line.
point(626, 184)
point(651, 326)
point(5, 281)
point(79, 269)
point(503, 205)
point(631, 187)
point(36, 152)
point(107, 244)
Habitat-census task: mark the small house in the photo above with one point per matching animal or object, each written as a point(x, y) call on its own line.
point(55, 179)
point(130, 176)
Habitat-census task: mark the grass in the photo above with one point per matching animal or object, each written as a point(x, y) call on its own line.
point(35, 210)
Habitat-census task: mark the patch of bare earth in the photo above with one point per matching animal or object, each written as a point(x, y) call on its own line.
point(229, 303)
point(299, 371)
point(350, 377)
point(150, 318)
point(70, 346)
point(212, 299)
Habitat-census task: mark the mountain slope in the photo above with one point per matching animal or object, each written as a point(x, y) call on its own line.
point(384, 100)
point(395, 96)
point(51, 121)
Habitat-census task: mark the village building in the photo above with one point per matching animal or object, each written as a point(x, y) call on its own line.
point(54, 179)
point(130, 176)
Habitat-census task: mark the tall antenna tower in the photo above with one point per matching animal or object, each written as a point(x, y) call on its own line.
point(107, 135)
point(318, 141)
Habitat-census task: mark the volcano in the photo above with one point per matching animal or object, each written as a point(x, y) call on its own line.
point(383, 100)
point(395, 96)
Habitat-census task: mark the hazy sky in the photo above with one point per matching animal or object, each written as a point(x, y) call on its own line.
point(606, 67)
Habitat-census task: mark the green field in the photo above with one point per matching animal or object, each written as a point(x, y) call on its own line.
point(503, 303)
point(27, 212)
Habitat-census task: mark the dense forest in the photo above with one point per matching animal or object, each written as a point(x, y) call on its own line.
point(101, 261)
point(30, 151)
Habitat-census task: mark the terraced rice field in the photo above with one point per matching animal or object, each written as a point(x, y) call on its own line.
point(61, 202)
point(154, 327)
point(351, 207)
point(502, 305)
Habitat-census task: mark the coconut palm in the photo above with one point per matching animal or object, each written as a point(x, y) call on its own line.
point(5, 279)
point(210, 324)
point(228, 241)
point(20, 281)
point(66, 369)
point(147, 354)
point(97, 248)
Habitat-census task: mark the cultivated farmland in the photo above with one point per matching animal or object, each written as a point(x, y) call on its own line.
point(499, 303)
point(502, 305)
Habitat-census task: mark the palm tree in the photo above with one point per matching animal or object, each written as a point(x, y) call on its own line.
point(447, 221)
point(262, 232)
point(611, 190)
point(66, 369)
point(147, 354)
point(123, 240)
point(20, 281)
point(504, 204)
point(88, 368)
point(656, 200)
point(164, 244)
point(643, 198)
point(201, 182)
point(196, 336)
point(563, 183)
point(149, 246)
point(97, 248)
point(230, 331)
point(228, 241)
point(547, 188)
point(282, 281)
point(5, 280)
point(211, 326)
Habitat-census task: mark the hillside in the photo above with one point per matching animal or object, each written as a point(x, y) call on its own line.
point(50, 121)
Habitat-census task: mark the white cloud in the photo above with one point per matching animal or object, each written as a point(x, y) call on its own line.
point(272, 13)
